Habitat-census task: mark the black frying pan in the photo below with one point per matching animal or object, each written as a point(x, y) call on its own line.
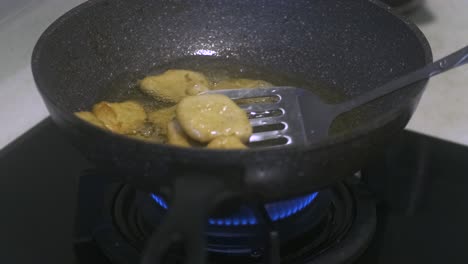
point(339, 48)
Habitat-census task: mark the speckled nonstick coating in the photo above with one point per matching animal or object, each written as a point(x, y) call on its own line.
point(350, 46)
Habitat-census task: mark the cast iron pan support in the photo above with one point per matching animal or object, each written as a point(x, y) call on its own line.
point(194, 197)
point(272, 252)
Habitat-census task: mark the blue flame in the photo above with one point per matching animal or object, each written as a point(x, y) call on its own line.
point(246, 216)
point(160, 201)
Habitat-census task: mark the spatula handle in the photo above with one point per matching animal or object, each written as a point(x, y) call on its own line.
point(449, 62)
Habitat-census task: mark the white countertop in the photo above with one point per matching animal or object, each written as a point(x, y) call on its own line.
point(442, 111)
point(21, 24)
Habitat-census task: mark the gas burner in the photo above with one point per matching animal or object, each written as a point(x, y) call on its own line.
point(246, 216)
point(331, 226)
point(238, 232)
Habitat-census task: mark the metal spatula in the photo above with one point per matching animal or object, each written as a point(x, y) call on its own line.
point(298, 116)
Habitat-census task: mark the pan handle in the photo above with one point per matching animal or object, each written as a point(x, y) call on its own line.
point(186, 219)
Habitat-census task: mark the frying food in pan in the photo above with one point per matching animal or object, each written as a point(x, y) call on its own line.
point(173, 85)
point(124, 118)
point(192, 120)
point(160, 119)
point(91, 118)
point(329, 47)
point(176, 136)
point(226, 142)
point(206, 117)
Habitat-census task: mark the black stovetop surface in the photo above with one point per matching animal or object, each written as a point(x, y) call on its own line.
point(421, 184)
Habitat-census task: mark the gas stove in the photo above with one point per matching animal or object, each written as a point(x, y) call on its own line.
point(408, 206)
point(311, 227)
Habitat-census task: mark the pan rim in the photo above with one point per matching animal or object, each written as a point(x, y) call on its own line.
point(359, 132)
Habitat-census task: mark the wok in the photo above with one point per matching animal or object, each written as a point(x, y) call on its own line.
point(338, 48)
